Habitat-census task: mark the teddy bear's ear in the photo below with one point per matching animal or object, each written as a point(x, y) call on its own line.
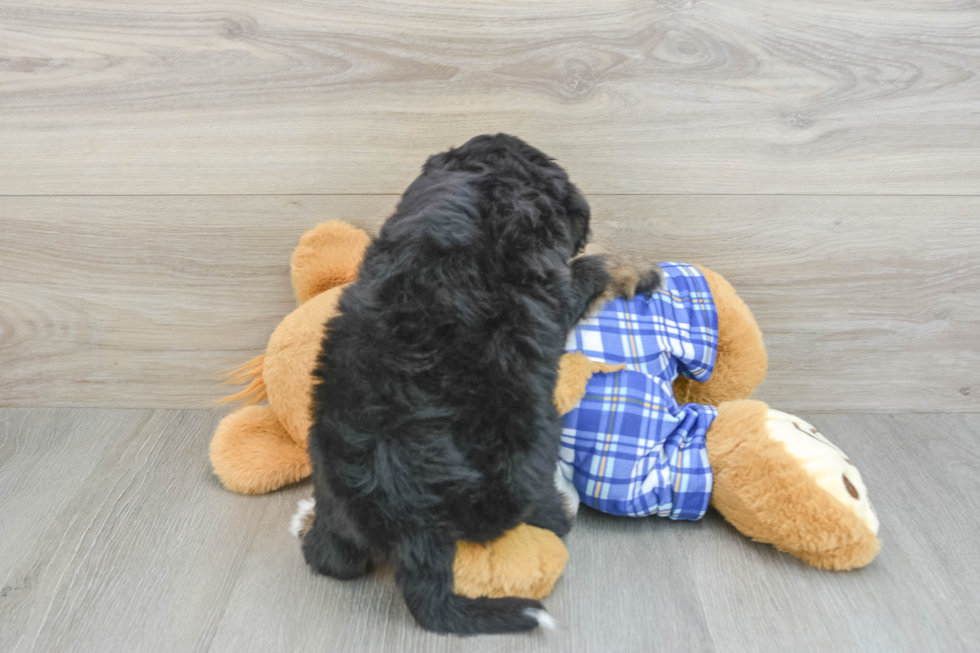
point(328, 256)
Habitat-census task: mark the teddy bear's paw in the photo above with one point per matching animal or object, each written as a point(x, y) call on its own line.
point(628, 276)
point(824, 462)
point(302, 520)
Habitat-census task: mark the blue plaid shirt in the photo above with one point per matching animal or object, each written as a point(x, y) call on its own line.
point(628, 447)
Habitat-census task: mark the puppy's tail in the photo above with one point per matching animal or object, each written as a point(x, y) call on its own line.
point(425, 576)
point(249, 373)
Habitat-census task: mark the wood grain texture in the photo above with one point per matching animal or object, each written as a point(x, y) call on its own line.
point(921, 472)
point(116, 538)
point(867, 303)
point(49, 459)
point(633, 96)
point(142, 302)
point(138, 554)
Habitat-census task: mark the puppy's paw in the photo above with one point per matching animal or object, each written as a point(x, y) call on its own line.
point(650, 280)
point(591, 272)
point(302, 521)
point(627, 279)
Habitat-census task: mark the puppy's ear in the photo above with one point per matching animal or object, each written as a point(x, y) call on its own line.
point(436, 162)
point(579, 216)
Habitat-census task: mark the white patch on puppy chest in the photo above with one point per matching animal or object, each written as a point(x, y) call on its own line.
point(303, 510)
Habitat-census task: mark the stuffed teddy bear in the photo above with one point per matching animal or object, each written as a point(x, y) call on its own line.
point(656, 421)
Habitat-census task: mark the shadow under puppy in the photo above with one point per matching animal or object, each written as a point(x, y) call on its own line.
point(434, 418)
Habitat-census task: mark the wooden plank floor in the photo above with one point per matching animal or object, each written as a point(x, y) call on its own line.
point(114, 536)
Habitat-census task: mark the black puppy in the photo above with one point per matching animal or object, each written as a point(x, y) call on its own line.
point(433, 418)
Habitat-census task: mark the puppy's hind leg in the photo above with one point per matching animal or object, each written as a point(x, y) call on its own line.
point(327, 551)
point(425, 575)
point(551, 512)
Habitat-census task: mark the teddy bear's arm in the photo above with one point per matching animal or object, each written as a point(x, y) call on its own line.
point(740, 362)
point(525, 562)
point(574, 372)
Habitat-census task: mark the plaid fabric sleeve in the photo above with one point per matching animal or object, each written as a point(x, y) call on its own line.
point(672, 331)
point(630, 448)
point(634, 451)
point(688, 318)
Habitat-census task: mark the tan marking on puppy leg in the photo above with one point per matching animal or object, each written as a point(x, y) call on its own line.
point(625, 276)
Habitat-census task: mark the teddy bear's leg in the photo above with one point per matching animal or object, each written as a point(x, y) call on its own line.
point(251, 452)
point(525, 561)
point(741, 362)
point(778, 480)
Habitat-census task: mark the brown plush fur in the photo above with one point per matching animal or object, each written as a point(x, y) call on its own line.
point(290, 358)
point(283, 375)
point(574, 372)
point(251, 452)
point(527, 561)
point(741, 363)
point(327, 257)
point(249, 373)
point(766, 494)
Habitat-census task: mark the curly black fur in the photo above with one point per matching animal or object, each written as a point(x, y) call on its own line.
point(434, 418)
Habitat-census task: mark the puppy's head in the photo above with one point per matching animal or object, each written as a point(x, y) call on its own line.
point(503, 159)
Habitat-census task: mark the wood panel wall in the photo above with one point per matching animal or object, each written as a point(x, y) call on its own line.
point(158, 162)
